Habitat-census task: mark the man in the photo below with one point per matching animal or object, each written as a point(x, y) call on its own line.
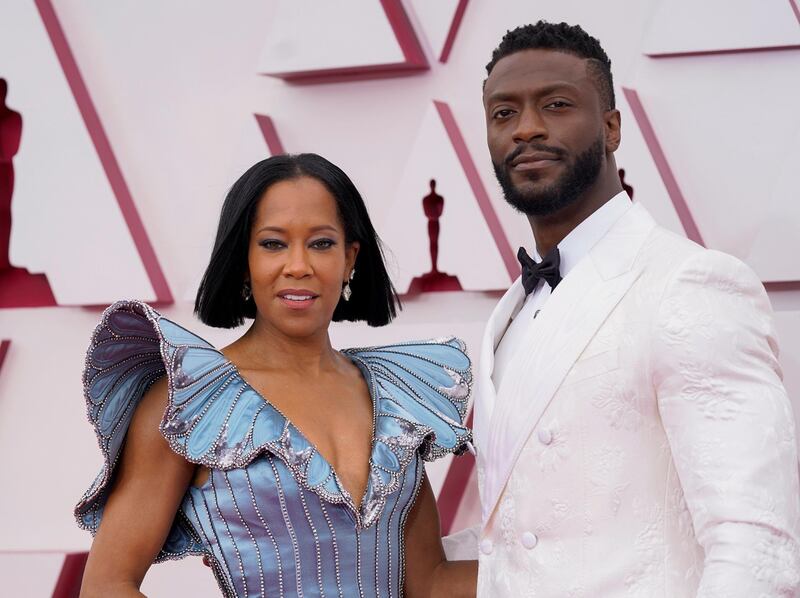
point(633, 434)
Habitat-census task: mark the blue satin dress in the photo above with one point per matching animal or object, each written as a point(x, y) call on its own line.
point(273, 517)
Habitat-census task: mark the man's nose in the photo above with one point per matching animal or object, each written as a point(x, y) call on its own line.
point(298, 264)
point(530, 126)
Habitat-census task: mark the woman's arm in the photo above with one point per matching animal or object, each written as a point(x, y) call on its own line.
point(150, 482)
point(428, 573)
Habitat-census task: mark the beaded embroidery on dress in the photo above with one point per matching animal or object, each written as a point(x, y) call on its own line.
point(273, 517)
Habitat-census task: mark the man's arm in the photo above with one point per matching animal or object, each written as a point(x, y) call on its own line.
point(428, 572)
point(730, 426)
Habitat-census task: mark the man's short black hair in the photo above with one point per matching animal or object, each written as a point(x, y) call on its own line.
point(219, 299)
point(570, 39)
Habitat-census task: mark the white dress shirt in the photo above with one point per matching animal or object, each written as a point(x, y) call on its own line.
point(572, 249)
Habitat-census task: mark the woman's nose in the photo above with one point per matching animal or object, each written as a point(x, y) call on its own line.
point(298, 264)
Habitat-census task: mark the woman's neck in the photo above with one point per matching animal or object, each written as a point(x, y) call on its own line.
point(263, 347)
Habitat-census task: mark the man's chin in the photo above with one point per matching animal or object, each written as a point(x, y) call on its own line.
point(532, 183)
point(527, 203)
point(534, 198)
point(532, 191)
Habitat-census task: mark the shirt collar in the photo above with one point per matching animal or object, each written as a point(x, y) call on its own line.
point(583, 237)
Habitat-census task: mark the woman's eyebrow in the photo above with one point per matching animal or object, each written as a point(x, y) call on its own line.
point(273, 229)
point(313, 229)
point(322, 227)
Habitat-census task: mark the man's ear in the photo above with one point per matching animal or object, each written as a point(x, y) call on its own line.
point(612, 124)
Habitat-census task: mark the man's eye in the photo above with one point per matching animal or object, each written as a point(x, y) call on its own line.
point(271, 244)
point(503, 113)
point(557, 104)
point(323, 243)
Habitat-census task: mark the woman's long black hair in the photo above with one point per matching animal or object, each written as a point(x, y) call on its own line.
point(220, 302)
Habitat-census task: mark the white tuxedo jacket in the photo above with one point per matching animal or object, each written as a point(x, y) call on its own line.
point(642, 443)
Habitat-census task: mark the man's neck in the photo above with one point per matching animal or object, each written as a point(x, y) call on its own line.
point(550, 230)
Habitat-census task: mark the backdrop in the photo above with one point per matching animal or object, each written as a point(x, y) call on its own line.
point(125, 122)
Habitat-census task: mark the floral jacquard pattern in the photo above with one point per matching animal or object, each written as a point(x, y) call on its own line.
point(774, 561)
point(620, 404)
point(648, 547)
point(714, 399)
point(606, 464)
point(720, 396)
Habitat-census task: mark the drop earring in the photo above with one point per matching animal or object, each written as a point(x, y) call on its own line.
point(347, 292)
point(247, 292)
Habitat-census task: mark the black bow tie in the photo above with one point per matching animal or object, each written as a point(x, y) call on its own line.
point(547, 269)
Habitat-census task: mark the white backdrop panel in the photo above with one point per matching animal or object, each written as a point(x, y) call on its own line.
point(728, 143)
point(308, 35)
point(684, 26)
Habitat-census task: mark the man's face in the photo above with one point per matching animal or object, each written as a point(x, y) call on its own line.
point(545, 128)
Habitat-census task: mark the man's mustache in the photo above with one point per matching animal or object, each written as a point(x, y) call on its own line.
point(533, 147)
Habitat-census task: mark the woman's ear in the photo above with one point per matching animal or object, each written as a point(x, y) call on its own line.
point(351, 253)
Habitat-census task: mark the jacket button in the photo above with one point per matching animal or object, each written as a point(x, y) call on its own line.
point(486, 546)
point(529, 540)
point(545, 436)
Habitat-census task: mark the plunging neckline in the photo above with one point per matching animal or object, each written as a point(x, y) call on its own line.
point(369, 379)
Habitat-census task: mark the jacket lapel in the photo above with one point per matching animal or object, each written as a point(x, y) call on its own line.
point(573, 314)
point(485, 395)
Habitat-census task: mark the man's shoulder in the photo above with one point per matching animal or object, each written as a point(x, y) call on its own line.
point(665, 250)
point(673, 257)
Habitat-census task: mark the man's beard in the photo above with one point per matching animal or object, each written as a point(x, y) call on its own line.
point(566, 190)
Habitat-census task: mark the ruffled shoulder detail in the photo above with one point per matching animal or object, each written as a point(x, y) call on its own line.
point(421, 392)
point(123, 360)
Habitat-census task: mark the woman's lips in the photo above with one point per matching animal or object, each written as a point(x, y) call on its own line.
point(297, 299)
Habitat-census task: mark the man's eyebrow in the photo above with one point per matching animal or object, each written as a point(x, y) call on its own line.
point(505, 95)
point(559, 86)
point(502, 96)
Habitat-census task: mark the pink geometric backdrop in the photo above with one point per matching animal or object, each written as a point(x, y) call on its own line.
point(137, 118)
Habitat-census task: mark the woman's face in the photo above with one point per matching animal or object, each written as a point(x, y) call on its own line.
point(298, 257)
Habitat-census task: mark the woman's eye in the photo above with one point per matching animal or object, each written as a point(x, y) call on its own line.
point(271, 244)
point(323, 243)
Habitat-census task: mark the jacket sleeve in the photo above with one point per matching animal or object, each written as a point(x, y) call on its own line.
point(463, 545)
point(730, 426)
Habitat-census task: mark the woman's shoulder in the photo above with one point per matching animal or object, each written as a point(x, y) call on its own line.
point(131, 348)
point(422, 390)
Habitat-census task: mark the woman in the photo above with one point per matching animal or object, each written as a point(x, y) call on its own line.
point(293, 468)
